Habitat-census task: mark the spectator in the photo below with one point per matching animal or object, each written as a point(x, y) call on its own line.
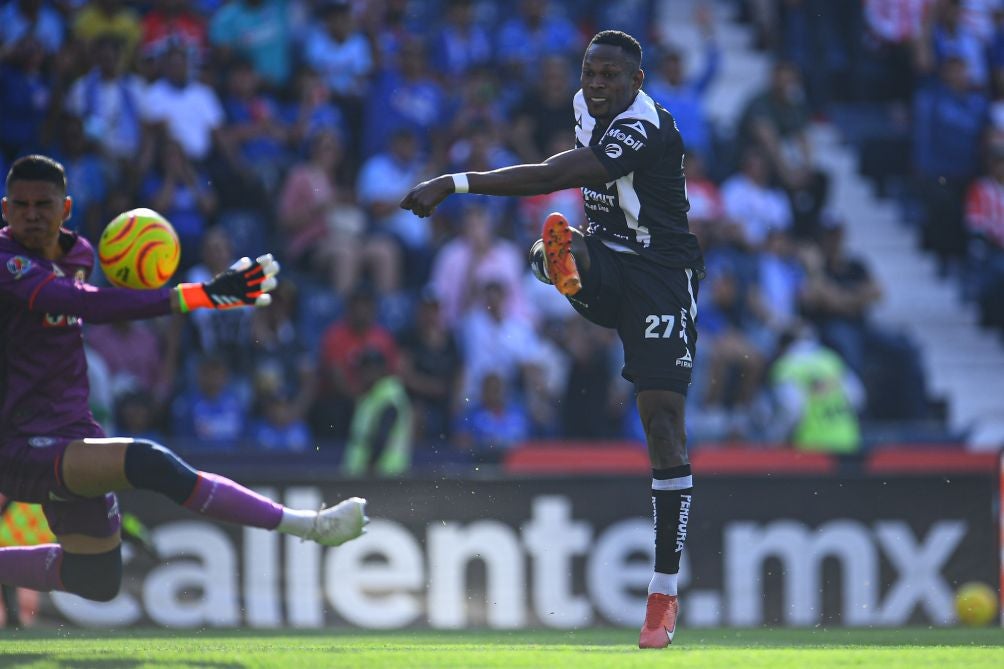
point(109, 18)
point(776, 121)
point(729, 325)
point(211, 415)
point(948, 124)
point(24, 99)
point(383, 181)
point(170, 23)
point(460, 45)
point(818, 397)
point(131, 352)
point(278, 426)
point(323, 233)
point(255, 133)
point(218, 333)
point(838, 298)
point(494, 341)
point(380, 435)
point(405, 95)
point(188, 110)
point(532, 33)
point(108, 102)
point(493, 424)
point(343, 56)
point(474, 256)
point(595, 396)
point(431, 369)
point(181, 191)
point(683, 96)
point(544, 113)
point(35, 20)
point(886, 65)
point(284, 368)
point(137, 416)
point(313, 111)
point(87, 177)
point(753, 204)
point(258, 30)
point(340, 345)
point(945, 34)
point(985, 224)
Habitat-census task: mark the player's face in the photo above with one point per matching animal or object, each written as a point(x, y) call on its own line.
point(609, 81)
point(35, 210)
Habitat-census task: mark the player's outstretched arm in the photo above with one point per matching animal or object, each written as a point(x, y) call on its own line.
point(246, 284)
point(570, 169)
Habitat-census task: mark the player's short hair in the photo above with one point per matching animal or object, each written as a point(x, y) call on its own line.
point(37, 168)
point(629, 45)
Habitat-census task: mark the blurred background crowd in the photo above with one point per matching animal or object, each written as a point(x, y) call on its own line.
point(296, 126)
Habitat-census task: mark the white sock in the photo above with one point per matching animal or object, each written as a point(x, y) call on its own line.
point(663, 583)
point(295, 522)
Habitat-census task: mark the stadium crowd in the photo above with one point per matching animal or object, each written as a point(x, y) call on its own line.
point(296, 126)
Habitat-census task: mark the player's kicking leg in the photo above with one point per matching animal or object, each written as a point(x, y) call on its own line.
point(561, 268)
point(94, 466)
point(83, 512)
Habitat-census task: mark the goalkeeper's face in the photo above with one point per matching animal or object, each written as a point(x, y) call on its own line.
point(35, 210)
point(609, 81)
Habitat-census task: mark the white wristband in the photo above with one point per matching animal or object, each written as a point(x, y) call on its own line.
point(460, 184)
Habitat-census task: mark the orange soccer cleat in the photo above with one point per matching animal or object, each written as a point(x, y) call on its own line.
point(660, 621)
point(561, 269)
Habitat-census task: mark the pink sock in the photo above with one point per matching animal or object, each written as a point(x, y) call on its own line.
point(222, 499)
point(32, 567)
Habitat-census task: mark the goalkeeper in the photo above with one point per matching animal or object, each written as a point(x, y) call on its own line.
point(52, 452)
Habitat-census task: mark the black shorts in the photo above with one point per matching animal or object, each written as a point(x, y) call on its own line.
point(653, 309)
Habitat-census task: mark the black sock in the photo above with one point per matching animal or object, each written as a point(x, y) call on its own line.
point(672, 491)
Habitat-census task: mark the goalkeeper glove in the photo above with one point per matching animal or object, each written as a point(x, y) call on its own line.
point(245, 284)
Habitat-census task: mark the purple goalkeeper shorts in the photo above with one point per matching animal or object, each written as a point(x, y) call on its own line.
point(31, 471)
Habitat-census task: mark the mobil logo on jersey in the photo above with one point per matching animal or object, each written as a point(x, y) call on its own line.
point(627, 139)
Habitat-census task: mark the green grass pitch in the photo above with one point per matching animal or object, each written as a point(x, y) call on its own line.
point(913, 648)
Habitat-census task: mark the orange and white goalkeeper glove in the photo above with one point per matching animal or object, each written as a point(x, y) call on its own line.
point(246, 284)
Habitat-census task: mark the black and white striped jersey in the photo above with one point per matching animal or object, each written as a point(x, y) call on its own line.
point(643, 207)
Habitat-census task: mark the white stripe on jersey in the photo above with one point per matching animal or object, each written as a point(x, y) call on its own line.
point(631, 206)
point(690, 289)
point(643, 107)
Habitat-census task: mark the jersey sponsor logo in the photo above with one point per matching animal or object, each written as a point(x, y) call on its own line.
point(685, 360)
point(682, 521)
point(18, 266)
point(637, 127)
point(60, 320)
point(613, 150)
point(594, 196)
point(629, 141)
point(41, 442)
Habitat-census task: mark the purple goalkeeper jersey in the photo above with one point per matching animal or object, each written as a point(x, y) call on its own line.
point(43, 371)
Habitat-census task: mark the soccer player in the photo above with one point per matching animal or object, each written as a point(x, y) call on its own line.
point(52, 451)
point(636, 269)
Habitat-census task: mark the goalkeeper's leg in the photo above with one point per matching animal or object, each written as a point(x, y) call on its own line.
point(92, 467)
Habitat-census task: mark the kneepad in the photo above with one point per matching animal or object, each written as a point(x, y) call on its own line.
point(150, 466)
point(97, 577)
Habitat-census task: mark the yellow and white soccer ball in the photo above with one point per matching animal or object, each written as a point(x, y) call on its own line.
point(975, 604)
point(139, 249)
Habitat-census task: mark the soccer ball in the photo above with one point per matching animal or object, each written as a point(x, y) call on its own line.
point(139, 249)
point(975, 604)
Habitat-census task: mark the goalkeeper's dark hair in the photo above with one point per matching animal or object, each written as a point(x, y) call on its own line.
point(37, 168)
point(629, 45)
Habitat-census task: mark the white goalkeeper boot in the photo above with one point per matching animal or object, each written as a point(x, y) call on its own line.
point(343, 522)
